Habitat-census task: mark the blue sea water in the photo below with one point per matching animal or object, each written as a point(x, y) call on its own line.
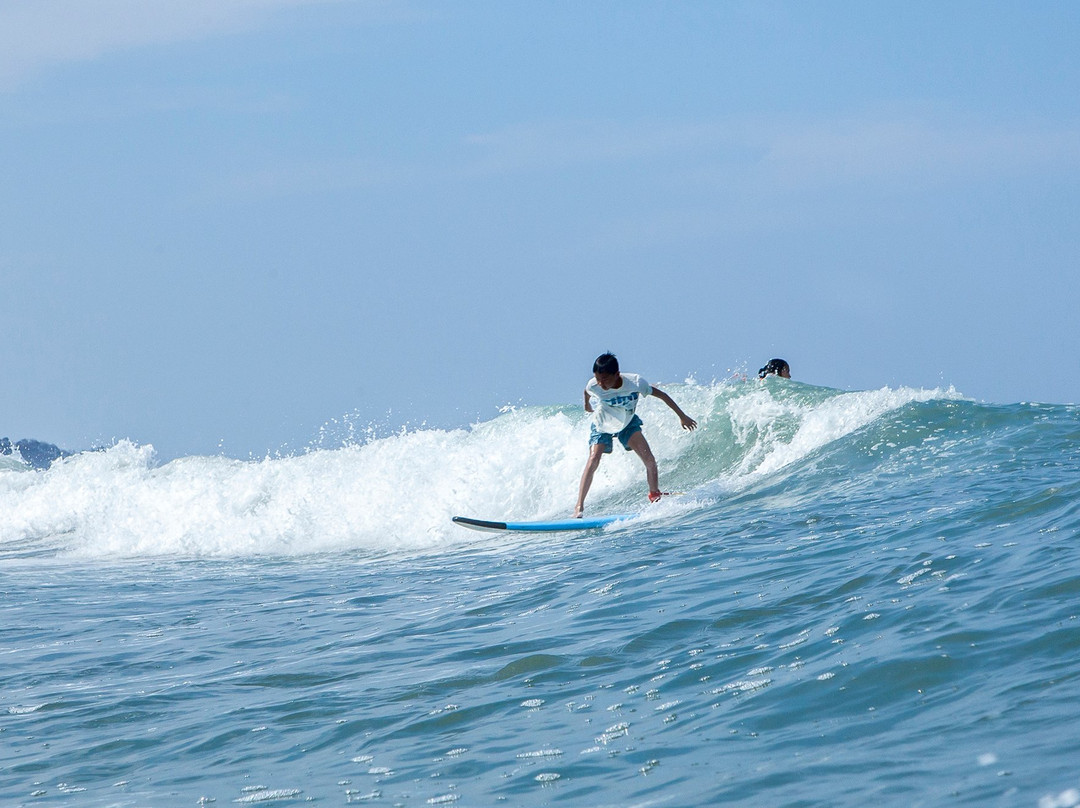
point(860, 598)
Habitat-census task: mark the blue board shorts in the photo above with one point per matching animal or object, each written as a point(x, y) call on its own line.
point(607, 439)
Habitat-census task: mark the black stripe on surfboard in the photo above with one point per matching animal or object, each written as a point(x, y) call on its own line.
point(480, 523)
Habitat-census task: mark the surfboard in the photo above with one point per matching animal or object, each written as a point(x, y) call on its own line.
point(585, 523)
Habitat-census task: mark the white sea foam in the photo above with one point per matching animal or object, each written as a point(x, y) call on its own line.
point(397, 493)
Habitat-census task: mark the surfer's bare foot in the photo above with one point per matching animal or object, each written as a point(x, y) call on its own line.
point(579, 512)
point(654, 496)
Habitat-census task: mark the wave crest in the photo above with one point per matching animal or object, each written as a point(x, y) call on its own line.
point(397, 493)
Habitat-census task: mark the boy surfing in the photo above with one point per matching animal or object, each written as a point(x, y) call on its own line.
point(615, 417)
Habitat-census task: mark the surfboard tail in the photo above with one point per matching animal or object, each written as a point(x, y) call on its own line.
point(480, 524)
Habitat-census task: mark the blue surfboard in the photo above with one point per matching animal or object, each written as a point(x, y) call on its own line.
point(586, 523)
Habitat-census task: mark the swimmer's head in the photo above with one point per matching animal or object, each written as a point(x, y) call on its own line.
point(775, 367)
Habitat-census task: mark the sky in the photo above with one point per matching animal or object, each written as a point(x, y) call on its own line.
point(230, 226)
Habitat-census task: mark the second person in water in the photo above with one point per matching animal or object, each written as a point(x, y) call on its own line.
point(775, 367)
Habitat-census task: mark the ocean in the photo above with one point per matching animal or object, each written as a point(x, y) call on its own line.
point(858, 598)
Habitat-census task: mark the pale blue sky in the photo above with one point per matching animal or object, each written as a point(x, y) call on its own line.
point(224, 223)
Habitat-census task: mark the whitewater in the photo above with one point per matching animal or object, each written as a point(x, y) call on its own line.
point(857, 597)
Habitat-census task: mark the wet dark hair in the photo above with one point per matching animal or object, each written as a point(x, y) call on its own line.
point(773, 368)
point(606, 363)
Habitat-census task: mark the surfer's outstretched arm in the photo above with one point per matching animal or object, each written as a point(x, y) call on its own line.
point(686, 421)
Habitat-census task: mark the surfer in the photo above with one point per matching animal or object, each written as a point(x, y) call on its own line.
point(618, 395)
point(775, 367)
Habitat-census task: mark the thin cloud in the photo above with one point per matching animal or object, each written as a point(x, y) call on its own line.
point(42, 33)
point(723, 165)
point(921, 148)
point(920, 151)
point(307, 178)
point(544, 146)
point(751, 174)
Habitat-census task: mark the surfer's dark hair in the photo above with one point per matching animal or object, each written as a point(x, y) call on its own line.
point(606, 363)
point(774, 367)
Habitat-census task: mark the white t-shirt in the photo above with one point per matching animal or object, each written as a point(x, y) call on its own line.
point(617, 405)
